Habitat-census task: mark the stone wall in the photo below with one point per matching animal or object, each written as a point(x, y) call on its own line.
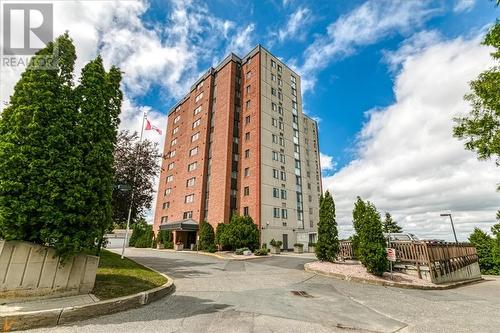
point(28, 269)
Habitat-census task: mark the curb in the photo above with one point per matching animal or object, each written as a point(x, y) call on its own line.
point(391, 284)
point(215, 255)
point(48, 318)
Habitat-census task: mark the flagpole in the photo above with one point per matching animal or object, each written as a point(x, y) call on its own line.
point(132, 186)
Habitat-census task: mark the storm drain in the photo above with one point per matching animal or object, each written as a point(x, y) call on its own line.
point(301, 293)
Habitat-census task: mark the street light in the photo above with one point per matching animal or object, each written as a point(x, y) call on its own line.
point(452, 226)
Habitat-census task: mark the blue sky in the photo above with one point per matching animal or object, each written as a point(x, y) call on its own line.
point(385, 78)
point(350, 84)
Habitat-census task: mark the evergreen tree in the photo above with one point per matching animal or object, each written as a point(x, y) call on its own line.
point(327, 246)
point(484, 245)
point(46, 186)
point(207, 237)
point(371, 248)
point(391, 226)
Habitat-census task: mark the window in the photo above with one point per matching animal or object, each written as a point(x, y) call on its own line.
point(166, 205)
point(175, 130)
point(273, 91)
point(249, 74)
point(189, 198)
point(281, 126)
point(275, 138)
point(167, 191)
point(246, 191)
point(273, 77)
point(283, 175)
point(280, 82)
point(187, 215)
point(247, 153)
point(200, 96)
point(193, 151)
point(247, 172)
point(247, 136)
point(274, 122)
point(276, 212)
point(273, 106)
point(176, 120)
point(170, 178)
point(174, 142)
point(248, 89)
point(197, 123)
point(282, 142)
point(276, 192)
point(247, 104)
point(279, 69)
point(164, 219)
point(273, 63)
point(293, 79)
point(195, 137)
point(284, 214)
point(192, 166)
point(190, 182)
point(275, 174)
point(282, 158)
point(275, 156)
point(170, 166)
point(283, 194)
point(171, 154)
point(247, 120)
point(245, 211)
point(197, 110)
point(280, 110)
point(280, 96)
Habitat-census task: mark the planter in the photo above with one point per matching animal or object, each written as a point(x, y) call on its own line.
point(160, 246)
point(178, 247)
point(275, 250)
point(298, 249)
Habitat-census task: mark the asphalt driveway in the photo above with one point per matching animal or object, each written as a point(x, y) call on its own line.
point(274, 294)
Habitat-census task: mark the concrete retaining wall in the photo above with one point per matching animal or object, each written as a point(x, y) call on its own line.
point(28, 269)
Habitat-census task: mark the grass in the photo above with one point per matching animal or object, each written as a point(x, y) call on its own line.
point(118, 277)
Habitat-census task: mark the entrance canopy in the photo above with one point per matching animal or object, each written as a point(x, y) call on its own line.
point(182, 225)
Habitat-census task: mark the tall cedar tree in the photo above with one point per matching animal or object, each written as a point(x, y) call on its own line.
point(99, 107)
point(141, 160)
point(389, 225)
point(484, 246)
point(327, 246)
point(371, 247)
point(44, 184)
point(207, 236)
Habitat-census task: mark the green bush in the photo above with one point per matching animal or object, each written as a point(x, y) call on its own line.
point(260, 252)
point(168, 245)
point(142, 235)
point(240, 232)
point(328, 245)
point(275, 243)
point(484, 246)
point(298, 245)
point(207, 236)
point(371, 248)
point(311, 244)
point(240, 251)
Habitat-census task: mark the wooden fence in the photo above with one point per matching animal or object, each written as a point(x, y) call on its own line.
point(440, 258)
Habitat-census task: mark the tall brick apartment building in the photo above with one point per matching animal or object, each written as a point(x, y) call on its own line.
point(239, 142)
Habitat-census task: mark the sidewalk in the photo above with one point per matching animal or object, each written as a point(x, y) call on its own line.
point(46, 303)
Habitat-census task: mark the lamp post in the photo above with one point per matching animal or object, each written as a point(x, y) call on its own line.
point(452, 226)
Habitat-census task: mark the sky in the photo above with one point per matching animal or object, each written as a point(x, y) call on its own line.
point(384, 79)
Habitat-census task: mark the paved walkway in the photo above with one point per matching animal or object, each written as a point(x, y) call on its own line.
point(275, 295)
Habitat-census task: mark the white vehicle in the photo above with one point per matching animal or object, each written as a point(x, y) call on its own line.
point(400, 237)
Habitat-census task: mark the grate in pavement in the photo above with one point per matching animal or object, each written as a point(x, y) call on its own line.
point(301, 293)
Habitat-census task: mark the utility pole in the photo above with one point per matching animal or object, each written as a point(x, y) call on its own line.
point(452, 226)
point(132, 187)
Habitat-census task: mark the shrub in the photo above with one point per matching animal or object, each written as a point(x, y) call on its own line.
point(142, 235)
point(260, 252)
point(311, 244)
point(207, 236)
point(240, 251)
point(275, 243)
point(484, 246)
point(328, 246)
point(371, 248)
point(240, 232)
point(298, 245)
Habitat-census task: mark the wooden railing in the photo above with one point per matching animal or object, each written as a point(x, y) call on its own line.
point(440, 258)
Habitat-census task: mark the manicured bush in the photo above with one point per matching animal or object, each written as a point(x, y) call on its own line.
point(142, 235)
point(207, 236)
point(275, 243)
point(328, 246)
point(298, 245)
point(260, 252)
point(240, 232)
point(372, 244)
point(240, 251)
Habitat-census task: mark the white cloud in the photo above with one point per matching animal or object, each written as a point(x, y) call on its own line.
point(242, 41)
point(295, 27)
point(409, 164)
point(327, 163)
point(463, 5)
point(364, 25)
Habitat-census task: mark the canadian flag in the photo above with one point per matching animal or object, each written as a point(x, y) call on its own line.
point(150, 127)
